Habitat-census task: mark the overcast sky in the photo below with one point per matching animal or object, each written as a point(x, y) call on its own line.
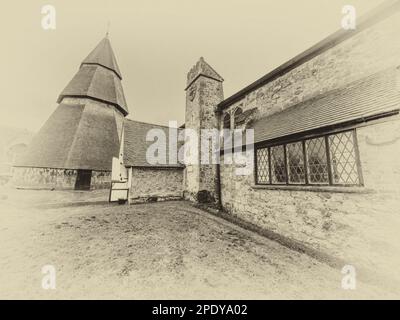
point(156, 43)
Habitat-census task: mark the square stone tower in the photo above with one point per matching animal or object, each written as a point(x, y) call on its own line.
point(204, 92)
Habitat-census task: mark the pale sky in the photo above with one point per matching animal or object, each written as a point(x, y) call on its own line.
point(156, 42)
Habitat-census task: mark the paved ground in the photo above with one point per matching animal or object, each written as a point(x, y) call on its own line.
point(150, 251)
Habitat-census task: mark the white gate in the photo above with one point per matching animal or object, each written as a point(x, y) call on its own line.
point(120, 181)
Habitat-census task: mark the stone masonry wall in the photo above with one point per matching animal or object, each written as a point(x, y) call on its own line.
point(60, 179)
point(202, 98)
point(192, 120)
point(359, 227)
point(366, 53)
point(210, 95)
point(154, 184)
point(100, 180)
point(44, 178)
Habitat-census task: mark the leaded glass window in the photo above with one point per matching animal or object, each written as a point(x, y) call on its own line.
point(295, 162)
point(325, 160)
point(343, 158)
point(278, 166)
point(263, 166)
point(317, 164)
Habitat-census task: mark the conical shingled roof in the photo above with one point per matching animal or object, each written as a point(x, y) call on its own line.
point(103, 55)
point(81, 135)
point(98, 78)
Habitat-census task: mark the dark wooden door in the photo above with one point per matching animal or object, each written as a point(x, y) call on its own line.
point(83, 180)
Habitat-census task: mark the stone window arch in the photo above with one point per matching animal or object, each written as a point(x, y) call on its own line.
point(238, 117)
point(227, 121)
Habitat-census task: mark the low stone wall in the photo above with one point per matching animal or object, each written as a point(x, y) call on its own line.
point(156, 184)
point(101, 180)
point(60, 179)
point(359, 225)
point(44, 178)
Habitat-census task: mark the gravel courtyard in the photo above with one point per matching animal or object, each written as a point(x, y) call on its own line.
point(165, 250)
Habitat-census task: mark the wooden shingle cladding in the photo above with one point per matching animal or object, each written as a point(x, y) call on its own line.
point(103, 55)
point(98, 78)
point(84, 132)
point(76, 136)
point(136, 146)
point(98, 83)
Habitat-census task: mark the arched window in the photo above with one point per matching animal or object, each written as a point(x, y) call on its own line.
point(227, 121)
point(239, 120)
point(225, 134)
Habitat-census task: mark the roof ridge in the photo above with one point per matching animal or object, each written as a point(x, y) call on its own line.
point(155, 124)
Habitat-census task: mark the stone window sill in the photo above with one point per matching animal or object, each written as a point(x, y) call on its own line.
point(331, 189)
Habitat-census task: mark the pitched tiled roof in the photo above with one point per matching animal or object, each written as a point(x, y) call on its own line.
point(373, 95)
point(202, 68)
point(81, 136)
point(99, 78)
point(135, 144)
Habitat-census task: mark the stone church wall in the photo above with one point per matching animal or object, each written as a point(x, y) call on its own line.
point(341, 222)
point(367, 52)
point(156, 184)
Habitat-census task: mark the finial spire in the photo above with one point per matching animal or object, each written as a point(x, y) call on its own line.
point(108, 29)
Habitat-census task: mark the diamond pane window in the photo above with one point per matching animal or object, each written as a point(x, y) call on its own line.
point(317, 164)
point(331, 159)
point(278, 165)
point(262, 166)
point(295, 161)
point(343, 159)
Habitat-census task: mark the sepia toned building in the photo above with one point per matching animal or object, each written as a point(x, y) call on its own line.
point(327, 139)
point(74, 148)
